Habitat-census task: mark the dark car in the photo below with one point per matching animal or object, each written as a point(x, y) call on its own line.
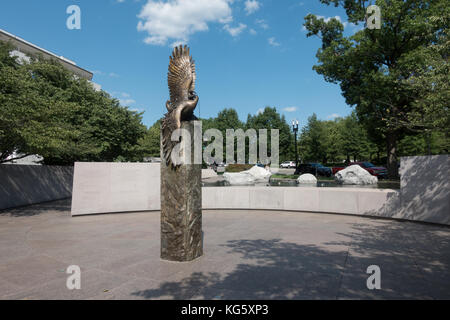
point(314, 168)
point(380, 172)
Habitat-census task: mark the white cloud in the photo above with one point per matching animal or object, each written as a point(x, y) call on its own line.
point(123, 97)
point(262, 23)
point(333, 116)
point(126, 102)
point(252, 32)
point(251, 6)
point(235, 31)
point(178, 43)
point(290, 109)
point(260, 110)
point(178, 19)
point(327, 19)
point(273, 42)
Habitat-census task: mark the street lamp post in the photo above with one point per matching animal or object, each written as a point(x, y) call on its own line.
point(295, 129)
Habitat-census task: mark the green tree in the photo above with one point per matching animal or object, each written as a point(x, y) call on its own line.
point(332, 140)
point(150, 143)
point(226, 119)
point(355, 142)
point(271, 119)
point(372, 66)
point(342, 138)
point(312, 143)
point(46, 110)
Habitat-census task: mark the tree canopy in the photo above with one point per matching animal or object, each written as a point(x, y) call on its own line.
point(46, 110)
point(396, 76)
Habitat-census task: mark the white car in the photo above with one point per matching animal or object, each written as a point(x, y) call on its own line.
point(287, 164)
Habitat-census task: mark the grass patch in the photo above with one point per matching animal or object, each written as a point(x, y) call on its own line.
point(238, 167)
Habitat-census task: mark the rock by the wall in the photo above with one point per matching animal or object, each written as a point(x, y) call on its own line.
point(208, 173)
point(239, 178)
point(259, 173)
point(307, 178)
point(247, 177)
point(355, 175)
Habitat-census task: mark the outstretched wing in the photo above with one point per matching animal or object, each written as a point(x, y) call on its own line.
point(181, 76)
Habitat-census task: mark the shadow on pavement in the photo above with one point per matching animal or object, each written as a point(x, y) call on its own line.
point(414, 261)
point(63, 205)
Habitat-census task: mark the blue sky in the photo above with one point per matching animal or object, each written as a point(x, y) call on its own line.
point(249, 54)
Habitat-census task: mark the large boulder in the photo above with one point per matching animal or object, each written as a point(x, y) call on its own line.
point(259, 173)
point(307, 178)
point(208, 173)
point(239, 178)
point(355, 175)
point(247, 177)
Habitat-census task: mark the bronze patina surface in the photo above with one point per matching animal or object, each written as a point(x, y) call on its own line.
point(181, 185)
point(183, 99)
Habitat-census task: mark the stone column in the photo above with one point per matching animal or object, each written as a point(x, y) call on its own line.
point(181, 206)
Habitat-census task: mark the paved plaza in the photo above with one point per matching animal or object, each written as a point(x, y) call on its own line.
point(247, 255)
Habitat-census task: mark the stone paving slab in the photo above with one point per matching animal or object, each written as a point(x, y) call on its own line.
point(248, 255)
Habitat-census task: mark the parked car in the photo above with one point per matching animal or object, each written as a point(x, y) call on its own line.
point(335, 170)
point(315, 168)
point(220, 168)
point(287, 164)
point(380, 172)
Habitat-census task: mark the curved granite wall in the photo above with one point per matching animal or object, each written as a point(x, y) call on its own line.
point(28, 184)
point(124, 187)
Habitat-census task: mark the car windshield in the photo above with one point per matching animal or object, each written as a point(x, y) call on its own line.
point(368, 165)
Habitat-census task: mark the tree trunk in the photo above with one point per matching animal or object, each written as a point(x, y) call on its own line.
point(392, 162)
point(428, 142)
